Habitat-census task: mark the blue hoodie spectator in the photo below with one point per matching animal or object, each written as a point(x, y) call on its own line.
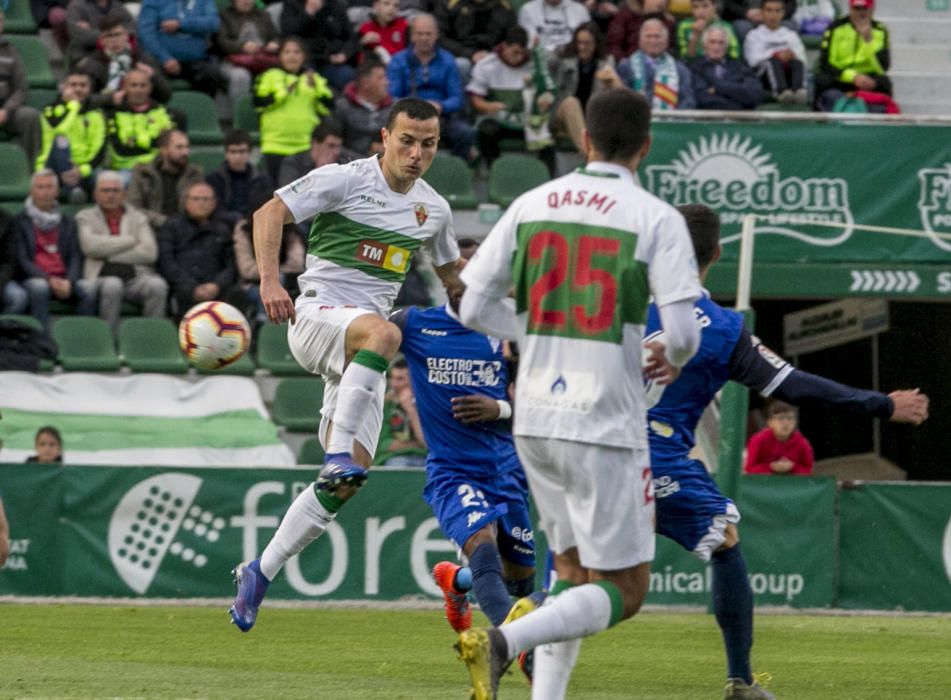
point(198, 22)
point(437, 81)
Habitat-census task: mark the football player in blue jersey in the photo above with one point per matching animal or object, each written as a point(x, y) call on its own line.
point(474, 481)
point(690, 508)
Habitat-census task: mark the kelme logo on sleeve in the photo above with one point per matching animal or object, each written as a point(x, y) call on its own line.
point(730, 173)
point(389, 257)
point(155, 518)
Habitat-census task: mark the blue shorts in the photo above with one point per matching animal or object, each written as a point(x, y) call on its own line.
point(690, 508)
point(464, 504)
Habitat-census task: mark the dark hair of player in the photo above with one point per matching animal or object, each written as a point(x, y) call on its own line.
point(704, 226)
point(618, 123)
point(399, 363)
point(328, 127)
point(414, 108)
point(238, 137)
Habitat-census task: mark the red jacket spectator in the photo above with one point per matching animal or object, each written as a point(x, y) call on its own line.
point(764, 451)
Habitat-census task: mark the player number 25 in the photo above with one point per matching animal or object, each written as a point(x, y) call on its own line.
point(583, 276)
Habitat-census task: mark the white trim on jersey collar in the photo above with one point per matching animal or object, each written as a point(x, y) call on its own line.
point(599, 166)
point(452, 314)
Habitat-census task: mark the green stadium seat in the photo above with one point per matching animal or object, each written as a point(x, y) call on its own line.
point(311, 452)
point(85, 344)
point(451, 177)
point(19, 18)
point(151, 345)
point(512, 174)
point(15, 183)
point(38, 98)
point(179, 85)
point(274, 354)
point(245, 117)
point(36, 60)
point(208, 158)
point(243, 367)
point(202, 114)
point(297, 402)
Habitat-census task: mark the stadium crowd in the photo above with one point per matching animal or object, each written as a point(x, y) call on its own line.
point(162, 233)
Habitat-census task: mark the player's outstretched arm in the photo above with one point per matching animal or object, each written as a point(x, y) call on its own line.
point(494, 317)
point(268, 228)
point(910, 406)
point(759, 368)
point(449, 275)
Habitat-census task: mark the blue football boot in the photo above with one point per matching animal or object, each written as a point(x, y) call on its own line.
point(340, 470)
point(251, 585)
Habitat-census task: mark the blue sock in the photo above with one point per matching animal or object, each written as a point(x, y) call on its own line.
point(733, 608)
point(488, 584)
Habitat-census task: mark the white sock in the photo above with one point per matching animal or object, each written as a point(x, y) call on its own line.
point(303, 523)
point(553, 666)
point(358, 387)
point(575, 613)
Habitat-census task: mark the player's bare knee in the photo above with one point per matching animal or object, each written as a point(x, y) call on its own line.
point(388, 337)
point(731, 537)
point(483, 536)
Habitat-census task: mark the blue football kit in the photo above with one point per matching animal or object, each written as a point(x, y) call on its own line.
point(473, 476)
point(690, 508)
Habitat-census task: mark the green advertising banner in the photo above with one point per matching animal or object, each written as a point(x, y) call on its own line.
point(787, 533)
point(896, 547)
point(796, 174)
point(177, 533)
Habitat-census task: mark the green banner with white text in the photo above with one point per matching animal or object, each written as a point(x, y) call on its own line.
point(797, 173)
point(177, 533)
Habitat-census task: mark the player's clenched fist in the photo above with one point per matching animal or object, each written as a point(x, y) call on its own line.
point(911, 406)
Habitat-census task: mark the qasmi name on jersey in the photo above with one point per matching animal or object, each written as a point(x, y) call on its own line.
point(462, 372)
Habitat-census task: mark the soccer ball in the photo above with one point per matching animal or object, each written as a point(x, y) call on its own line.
point(213, 334)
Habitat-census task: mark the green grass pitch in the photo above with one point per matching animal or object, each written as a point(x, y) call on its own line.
point(86, 651)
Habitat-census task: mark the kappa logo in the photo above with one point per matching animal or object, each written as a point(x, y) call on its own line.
point(422, 213)
point(934, 204)
point(155, 518)
point(732, 174)
point(389, 257)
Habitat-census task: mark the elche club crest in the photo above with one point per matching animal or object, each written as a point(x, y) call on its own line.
point(934, 204)
point(731, 174)
point(422, 213)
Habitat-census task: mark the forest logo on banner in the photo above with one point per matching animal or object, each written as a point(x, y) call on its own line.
point(732, 174)
point(158, 517)
point(934, 204)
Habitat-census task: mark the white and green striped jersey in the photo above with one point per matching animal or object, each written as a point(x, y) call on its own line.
point(364, 234)
point(584, 253)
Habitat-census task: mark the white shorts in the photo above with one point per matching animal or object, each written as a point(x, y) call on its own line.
point(598, 499)
point(317, 340)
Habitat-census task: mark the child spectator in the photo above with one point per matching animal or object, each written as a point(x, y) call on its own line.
point(83, 20)
point(779, 448)
point(384, 34)
point(777, 54)
point(291, 100)
point(48, 444)
point(690, 30)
